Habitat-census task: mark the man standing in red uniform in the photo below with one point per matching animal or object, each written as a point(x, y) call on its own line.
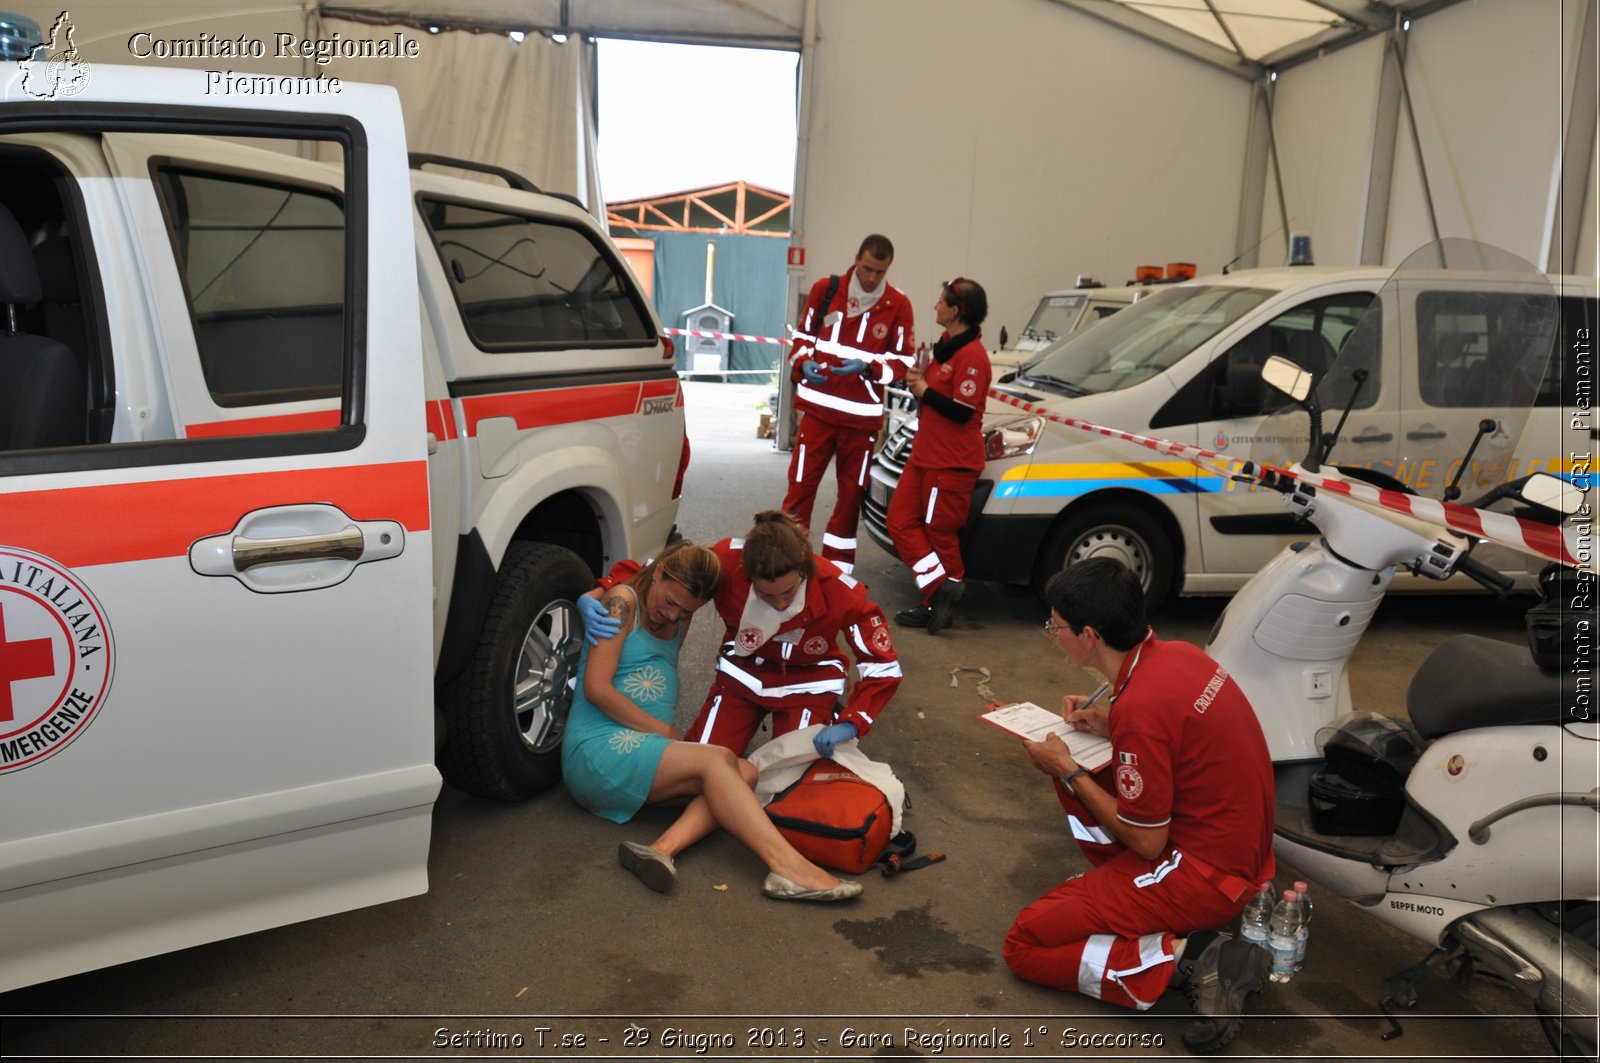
point(1178, 825)
point(785, 609)
point(854, 339)
point(930, 504)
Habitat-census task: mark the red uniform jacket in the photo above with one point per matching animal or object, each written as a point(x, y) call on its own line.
point(882, 337)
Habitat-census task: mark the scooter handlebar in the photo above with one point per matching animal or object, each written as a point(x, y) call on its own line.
point(1487, 577)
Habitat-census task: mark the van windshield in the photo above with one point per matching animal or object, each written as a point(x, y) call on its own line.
point(1143, 340)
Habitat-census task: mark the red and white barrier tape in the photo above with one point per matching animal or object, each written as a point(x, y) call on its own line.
point(1563, 544)
point(739, 336)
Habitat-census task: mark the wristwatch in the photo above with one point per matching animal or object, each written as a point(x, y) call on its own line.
point(1066, 780)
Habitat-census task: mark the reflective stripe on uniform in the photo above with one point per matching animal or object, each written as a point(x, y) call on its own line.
point(1092, 964)
point(833, 402)
point(1160, 871)
point(755, 686)
point(928, 570)
point(838, 542)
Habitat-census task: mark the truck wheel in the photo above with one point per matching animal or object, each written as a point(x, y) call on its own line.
point(506, 715)
point(1115, 531)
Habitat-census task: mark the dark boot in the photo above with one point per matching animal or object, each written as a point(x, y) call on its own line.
point(945, 597)
point(915, 617)
point(1224, 975)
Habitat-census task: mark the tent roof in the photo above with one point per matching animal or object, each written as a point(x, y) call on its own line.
point(1245, 37)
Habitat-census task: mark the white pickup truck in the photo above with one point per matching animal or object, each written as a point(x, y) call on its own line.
point(304, 454)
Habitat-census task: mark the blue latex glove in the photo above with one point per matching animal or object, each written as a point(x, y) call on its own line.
point(831, 736)
point(849, 367)
point(598, 623)
point(814, 372)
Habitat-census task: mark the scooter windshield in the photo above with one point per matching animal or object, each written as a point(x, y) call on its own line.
point(1436, 379)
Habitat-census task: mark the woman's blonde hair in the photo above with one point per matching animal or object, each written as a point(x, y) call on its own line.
point(696, 568)
point(776, 546)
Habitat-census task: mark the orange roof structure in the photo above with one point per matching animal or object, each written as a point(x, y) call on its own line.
point(739, 207)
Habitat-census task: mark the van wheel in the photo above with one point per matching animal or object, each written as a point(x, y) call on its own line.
point(507, 713)
point(1115, 531)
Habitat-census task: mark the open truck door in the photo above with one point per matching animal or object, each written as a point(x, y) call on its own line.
point(215, 632)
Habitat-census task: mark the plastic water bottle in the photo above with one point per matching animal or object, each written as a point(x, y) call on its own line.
point(1256, 916)
point(1286, 923)
point(1305, 924)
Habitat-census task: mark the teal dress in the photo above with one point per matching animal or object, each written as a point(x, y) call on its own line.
point(608, 767)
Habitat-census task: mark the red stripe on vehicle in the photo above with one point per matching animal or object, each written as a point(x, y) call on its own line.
point(441, 419)
point(314, 421)
point(80, 526)
point(540, 409)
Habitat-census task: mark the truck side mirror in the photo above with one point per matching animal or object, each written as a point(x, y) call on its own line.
point(1287, 377)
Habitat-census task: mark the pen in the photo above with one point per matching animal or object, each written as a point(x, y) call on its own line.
point(1099, 692)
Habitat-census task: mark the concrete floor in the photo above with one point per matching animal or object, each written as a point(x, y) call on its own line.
point(529, 925)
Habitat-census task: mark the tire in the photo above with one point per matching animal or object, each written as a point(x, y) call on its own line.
point(1112, 530)
point(506, 715)
point(1582, 922)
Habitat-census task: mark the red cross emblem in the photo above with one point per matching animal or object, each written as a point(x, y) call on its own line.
point(19, 660)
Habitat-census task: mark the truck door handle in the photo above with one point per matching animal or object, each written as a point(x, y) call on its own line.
point(296, 548)
point(1374, 437)
point(1433, 434)
point(346, 544)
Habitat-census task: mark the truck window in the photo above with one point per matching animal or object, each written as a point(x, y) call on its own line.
point(528, 283)
point(263, 267)
point(1054, 317)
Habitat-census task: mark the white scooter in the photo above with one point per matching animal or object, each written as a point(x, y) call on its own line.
point(1474, 826)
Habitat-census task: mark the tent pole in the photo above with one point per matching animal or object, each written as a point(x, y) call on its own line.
point(786, 427)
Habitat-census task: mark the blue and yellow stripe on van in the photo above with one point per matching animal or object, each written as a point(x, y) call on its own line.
point(1070, 479)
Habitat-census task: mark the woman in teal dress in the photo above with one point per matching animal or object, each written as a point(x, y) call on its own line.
point(621, 750)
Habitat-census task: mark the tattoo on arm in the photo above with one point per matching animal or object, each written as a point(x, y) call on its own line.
point(621, 607)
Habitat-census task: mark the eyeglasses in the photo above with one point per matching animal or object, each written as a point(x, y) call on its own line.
point(1051, 627)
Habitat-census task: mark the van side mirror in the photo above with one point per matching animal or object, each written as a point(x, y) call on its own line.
point(1287, 377)
point(1004, 339)
point(1552, 492)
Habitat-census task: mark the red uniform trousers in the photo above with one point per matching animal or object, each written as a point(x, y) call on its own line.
point(1109, 932)
point(850, 449)
point(731, 714)
point(926, 516)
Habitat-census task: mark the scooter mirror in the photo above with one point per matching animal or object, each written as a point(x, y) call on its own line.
point(1287, 377)
point(1552, 492)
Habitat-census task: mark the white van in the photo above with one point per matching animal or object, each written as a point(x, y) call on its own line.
point(1184, 364)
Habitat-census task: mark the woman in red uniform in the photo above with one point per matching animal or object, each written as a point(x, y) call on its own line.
point(929, 507)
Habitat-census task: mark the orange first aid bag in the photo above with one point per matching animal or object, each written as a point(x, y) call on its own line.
point(833, 817)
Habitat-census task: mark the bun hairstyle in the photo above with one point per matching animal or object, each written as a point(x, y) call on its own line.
point(776, 546)
point(969, 299)
point(696, 568)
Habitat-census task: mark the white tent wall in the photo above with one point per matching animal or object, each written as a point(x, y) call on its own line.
point(1322, 122)
point(468, 95)
point(1486, 79)
point(1017, 142)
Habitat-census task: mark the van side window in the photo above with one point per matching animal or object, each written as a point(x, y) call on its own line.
point(527, 283)
point(1479, 349)
point(1310, 335)
point(263, 268)
point(1574, 369)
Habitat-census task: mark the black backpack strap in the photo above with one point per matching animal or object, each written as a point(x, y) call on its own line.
point(897, 855)
point(833, 290)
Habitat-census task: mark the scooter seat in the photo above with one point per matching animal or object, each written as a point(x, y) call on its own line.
point(1471, 681)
